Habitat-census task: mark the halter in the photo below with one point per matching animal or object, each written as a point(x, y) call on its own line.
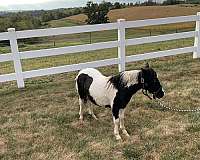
point(145, 92)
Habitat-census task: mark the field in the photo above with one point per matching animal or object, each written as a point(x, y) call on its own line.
point(145, 12)
point(41, 121)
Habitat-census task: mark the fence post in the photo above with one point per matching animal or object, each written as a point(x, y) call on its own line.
point(196, 53)
point(16, 57)
point(122, 45)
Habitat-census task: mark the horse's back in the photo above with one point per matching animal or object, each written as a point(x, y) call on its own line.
point(93, 73)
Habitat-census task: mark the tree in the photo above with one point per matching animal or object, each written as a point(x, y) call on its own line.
point(172, 2)
point(97, 13)
point(193, 1)
point(117, 5)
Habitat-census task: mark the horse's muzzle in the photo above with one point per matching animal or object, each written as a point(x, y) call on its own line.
point(159, 94)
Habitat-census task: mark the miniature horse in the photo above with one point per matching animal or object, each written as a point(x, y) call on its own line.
point(115, 91)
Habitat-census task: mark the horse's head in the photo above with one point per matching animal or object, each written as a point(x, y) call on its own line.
point(151, 82)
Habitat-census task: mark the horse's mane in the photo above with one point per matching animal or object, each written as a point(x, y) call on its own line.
point(124, 79)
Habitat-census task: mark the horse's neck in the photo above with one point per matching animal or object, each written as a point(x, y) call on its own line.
point(131, 81)
point(115, 81)
point(134, 88)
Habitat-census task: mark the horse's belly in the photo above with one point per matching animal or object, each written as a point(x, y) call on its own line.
point(101, 94)
point(102, 101)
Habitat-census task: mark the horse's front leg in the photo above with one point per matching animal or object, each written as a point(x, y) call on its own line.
point(115, 113)
point(121, 118)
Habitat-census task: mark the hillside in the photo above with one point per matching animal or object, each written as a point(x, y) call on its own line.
point(78, 18)
point(137, 13)
point(149, 12)
point(146, 12)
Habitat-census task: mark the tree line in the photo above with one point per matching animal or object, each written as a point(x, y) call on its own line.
point(33, 19)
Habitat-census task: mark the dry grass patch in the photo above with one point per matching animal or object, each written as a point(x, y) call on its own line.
point(144, 12)
point(167, 128)
point(148, 12)
point(78, 18)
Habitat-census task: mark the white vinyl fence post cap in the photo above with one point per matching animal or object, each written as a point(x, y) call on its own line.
point(120, 20)
point(11, 29)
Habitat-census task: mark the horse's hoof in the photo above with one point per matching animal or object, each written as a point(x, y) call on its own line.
point(96, 118)
point(125, 133)
point(81, 121)
point(118, 138)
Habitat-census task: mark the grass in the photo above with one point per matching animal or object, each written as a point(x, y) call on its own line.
point(41, 120)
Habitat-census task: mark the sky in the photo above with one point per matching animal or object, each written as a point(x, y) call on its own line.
point(13, 2)
point(47, 4)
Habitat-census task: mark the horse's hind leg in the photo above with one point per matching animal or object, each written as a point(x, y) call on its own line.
point(81, 103)
point(90, 110)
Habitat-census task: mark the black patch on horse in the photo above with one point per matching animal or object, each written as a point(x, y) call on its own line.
point(122, 98)
point(84, 81)
point(92, 100)
point(107, 106)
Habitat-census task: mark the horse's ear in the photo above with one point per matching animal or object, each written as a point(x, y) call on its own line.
point(146, 66)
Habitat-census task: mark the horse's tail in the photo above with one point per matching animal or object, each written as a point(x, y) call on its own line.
point(83, 82)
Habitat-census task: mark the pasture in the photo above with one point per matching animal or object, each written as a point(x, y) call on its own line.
point(41, 120)
point(145, 12)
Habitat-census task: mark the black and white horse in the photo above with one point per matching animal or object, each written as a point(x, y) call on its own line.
point(115, 91)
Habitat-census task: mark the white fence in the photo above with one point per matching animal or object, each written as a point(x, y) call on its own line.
point(122, 42)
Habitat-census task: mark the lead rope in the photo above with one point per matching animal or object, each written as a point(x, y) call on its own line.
point(161, 104)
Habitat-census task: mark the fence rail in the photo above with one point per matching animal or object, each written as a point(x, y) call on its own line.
point(122, 42)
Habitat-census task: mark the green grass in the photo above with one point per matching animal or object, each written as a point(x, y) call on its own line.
point(41, 120)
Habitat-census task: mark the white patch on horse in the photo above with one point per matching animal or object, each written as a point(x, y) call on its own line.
point(130, 77)
point(121, 117)
point(116, 128)
point(163, 91)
